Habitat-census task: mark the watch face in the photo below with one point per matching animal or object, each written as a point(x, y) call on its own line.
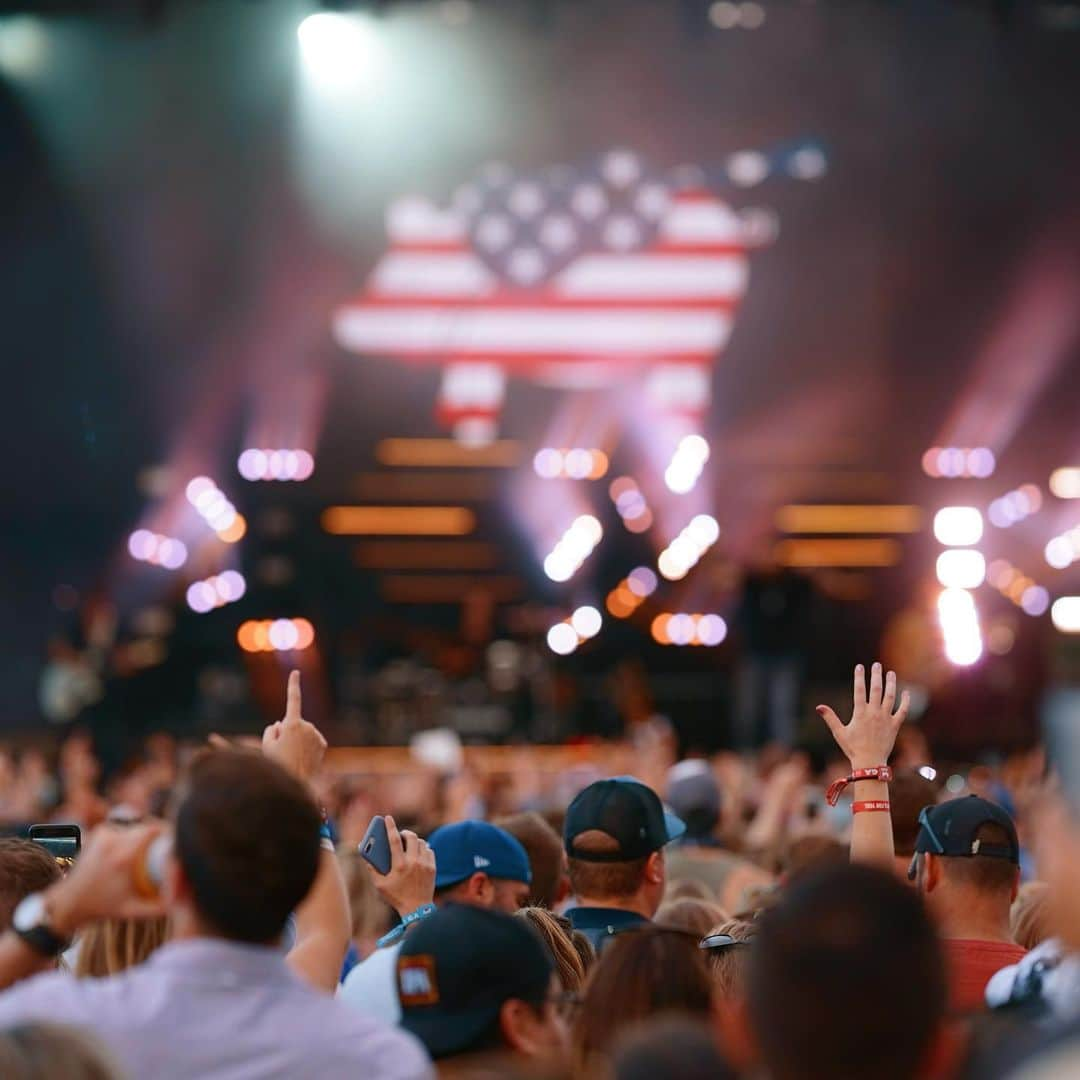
point(29, 913)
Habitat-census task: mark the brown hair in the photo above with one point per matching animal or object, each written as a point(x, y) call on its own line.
point(808, 852)
point(25, 868)
point(546, 857)
point(604, 880)
point(247, 838)
point(641, 973)
point(729, 966)
point(555, 932)
point(693, 916)
point(909, 793)
point(984, 873)
point(1030, 914)
point(688, 889)
point(114, 945)
point(54, 1052)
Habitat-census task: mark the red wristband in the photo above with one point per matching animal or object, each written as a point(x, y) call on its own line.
point(882, 773)
point(870, 806)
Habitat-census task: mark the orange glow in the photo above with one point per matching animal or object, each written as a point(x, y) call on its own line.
point(398, 520)
point(600, 465)
point(621, 602)
point(236, 531)
point(305, 632)
point(660, 629)
point(848, 519)
point(448, 453)
point(261, 636)
point(246, 637)
point(642, 523)
point(811, 553)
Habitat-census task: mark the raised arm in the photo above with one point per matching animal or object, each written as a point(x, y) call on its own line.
point(867, 741)
point(323, 923)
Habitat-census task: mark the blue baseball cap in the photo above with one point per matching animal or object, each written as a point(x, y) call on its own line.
point(477, 847)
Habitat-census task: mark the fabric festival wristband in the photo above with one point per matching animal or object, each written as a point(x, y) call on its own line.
point(398, 932)
point(880, 772)
point(870, 806)
point(326, 838)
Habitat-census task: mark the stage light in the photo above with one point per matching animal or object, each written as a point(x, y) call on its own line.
point(1035, 600)
point(958, 526)
point(621, 603)
point(952, 462)
point(1065, 482)
point(338, 51)
point(686, 464)
point(961, 569)
point(548, 463)
point(641, 581)
point(236, 531)
point(562, 639)
point(215, 592)
point(930, 462)
point(818, 553)
point(959, 621)
point(578, 464)
point(1062, 551)
point(255, 464)
point(681, 629)
point(844, 518)
point(659, 629)
point(275, 635)
point(1015, 506)
point(686, 550)
point(711, 629)
point(928, 772)
point(586, 621)
point(24, 46)
point(398, 520)
point(164, 551)
point(574, 547)
point(283, 635)
point(1065, 614)
point(142, 544)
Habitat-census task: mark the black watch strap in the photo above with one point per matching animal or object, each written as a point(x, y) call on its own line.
point(43, 941)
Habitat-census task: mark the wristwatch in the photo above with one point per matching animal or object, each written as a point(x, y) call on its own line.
point(30, 922)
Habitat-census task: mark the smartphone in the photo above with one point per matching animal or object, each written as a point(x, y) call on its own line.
point(61, 841)
point(375, 847)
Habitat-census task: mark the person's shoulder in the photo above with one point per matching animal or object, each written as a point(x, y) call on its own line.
point(381, 1049)
point(54, 995)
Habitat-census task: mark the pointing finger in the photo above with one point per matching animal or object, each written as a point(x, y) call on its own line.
point(292, 698)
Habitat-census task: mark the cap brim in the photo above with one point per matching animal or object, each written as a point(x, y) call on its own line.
point(444, 1034)
point(674, 825)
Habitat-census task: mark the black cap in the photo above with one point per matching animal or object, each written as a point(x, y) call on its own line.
point(626, 810)
point(458, 966)
point(950, 829)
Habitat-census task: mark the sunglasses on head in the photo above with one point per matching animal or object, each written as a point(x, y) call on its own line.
point(928, 829)
point(719, 942)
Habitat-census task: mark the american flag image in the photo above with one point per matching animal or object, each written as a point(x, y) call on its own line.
point(569, 277)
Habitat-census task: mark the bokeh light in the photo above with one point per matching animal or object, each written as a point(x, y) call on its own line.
point(961, 569)
point(958, 525)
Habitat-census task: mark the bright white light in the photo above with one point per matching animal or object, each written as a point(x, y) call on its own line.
point(951, 462)
point(305, 465)
point(960, 625)
point(1065, 482)
point(681, 629)
point(621, 168)
point(961, 569)
point(928, 772)
point(964, 648)
point(704, 530)
point(590, 528)
point(230, 586)
point(284, 635)
point(586, 621)
point(339, 52)
point(197, 599)
point(24, 46)
point(747, 168)
point(199, 488)
point(575, 546)
point(958, 526)
point(980, 462)
point(1035, 600)
point(670, 566)
point(711, 630)
point(172, 554)
point(578, 464)
point(642, 581)
point(558, 567)
point(1059, 552)
point(548, 463)
point(142, 544)
point(251, 464)
point(686, 464)
point(1066, 614)
point(562, 639)
point(956, 604)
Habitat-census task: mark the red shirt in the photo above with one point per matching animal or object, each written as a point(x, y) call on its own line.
point(970, 965)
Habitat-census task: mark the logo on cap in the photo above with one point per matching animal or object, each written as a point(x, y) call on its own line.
point(480, 862)
point(416, 981)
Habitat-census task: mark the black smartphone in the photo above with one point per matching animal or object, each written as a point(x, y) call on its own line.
point(375, 847)
point(61, 841)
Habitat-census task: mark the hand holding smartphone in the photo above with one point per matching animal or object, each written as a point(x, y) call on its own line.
point(60, 841)
point(375, 847)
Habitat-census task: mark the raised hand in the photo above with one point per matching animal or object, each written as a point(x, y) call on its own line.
point(868, 740)
point(292, 742)
point(411, 881)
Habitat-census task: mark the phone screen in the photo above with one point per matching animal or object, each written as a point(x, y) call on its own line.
point(60, 847)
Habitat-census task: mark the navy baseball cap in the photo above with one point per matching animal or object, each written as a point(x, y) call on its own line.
point(457, 967)
point(951, 828)
point(477, 847)
point(628, 811)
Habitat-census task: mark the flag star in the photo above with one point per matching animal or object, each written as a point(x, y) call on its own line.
point(557, 232)
point(494, 232)
point(526, 200)
point(747, 168)
point(588, 201)
point(652, 201)
point(621, 168)
point(526, 265)
point(622, 233)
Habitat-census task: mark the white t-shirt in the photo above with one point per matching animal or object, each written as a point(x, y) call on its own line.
point(371, 986)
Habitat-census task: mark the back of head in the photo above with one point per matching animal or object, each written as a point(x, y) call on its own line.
point(849, 953)
point(694, 794)
point(247, 838)
point(987, 875)
point(25, 868)
point(694, 916)
point(811, 852)
point(640, 974)
point(114, 945)
point(730, 963)
point(669, 1047)
point(556, 933)
point(546, 858)
point(54, 1052)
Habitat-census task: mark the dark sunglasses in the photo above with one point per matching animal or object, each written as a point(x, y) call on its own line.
point(719, 942)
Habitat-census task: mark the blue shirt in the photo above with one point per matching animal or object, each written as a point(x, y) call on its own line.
point(599, 924)
point(219, 1010)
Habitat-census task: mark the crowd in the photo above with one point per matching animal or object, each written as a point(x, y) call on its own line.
point(255, 911)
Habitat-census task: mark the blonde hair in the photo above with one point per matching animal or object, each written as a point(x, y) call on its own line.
point(568, 962)
point(114, 945)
